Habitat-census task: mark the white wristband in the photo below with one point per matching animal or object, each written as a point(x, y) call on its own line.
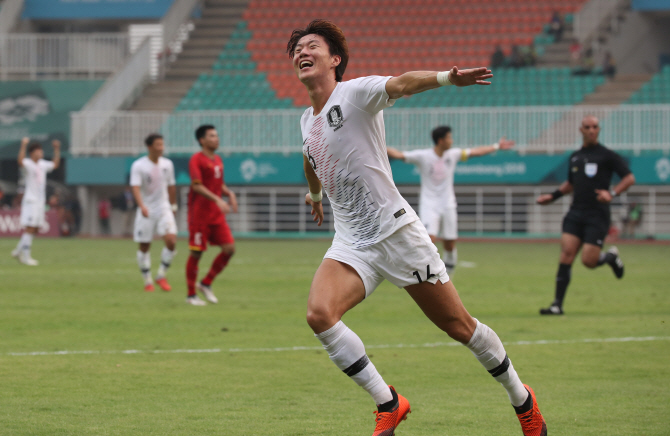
point(443, 78)
point(496, 146)
point(174, 207)
point(316, 197)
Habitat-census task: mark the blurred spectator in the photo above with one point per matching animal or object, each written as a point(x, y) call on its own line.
point(632, 219)
point(515, 57)
point(127, 206)
point(556, 26)
point(586, 65)
point(530, 55)
point(104, 211)
point(498, 58)
point(75, 209)
point(609, 65)
point(575, 53)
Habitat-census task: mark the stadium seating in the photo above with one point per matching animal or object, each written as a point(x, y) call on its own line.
point(657, 90)
point(388, 37)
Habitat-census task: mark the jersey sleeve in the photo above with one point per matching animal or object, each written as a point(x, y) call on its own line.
point(194, 170)
point(619, 165)
point(413, 156)
point(171, 180)
point(47, 165)
point(135, 175)
point(369, 93)
point(460, 154)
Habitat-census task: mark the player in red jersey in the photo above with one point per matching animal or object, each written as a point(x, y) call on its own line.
point(207, 214)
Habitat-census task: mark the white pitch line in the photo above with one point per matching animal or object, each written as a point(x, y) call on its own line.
point(316, 348)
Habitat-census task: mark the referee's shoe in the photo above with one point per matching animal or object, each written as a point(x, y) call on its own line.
point(614, 260)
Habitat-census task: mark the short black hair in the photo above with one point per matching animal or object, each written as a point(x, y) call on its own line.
point(34, 146)
point(440, 132)
point(201, 131)
point(149, 140)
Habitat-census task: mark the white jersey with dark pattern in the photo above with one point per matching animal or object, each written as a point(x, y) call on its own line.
point(437, 175)
point(346, 145)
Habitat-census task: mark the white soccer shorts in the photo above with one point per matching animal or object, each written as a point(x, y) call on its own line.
point(161, 224)
point(32, 215)
point(405, 258)
point(441, 223)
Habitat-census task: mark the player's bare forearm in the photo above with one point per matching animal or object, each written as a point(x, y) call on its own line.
point(232, 198)
point(312, 179)
point(200, 189)
point(625, 183)
point(172, 194)
point(411, 83)
point(22, 151)
point(137, 195)
point(565, 188)
point(395, 154)
point(56, 159)
point(502, 144)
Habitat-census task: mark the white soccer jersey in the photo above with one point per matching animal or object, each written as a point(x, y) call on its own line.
point(437, 175)
point(153, 180)
point(346, 145)
point(36, 180)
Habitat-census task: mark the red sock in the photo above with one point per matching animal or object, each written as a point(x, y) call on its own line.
point(217, 266)
point(191, 274)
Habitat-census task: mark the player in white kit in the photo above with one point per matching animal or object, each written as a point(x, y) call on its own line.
point(35, 169)
point(437, 200)
point(378, 235)
point(153, 184)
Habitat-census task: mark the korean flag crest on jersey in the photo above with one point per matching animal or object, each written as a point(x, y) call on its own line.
point(591, 169)
point(335, 117)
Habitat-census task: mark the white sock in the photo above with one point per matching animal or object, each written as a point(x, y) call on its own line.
point(488, 349)
point(166, 260)
point(347, 352)
point(25, 243)
point(450, 259)
point(144, 262)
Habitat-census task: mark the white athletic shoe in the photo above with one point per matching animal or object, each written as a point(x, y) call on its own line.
point(195, 301)
point(27, 260)
point(207, 292)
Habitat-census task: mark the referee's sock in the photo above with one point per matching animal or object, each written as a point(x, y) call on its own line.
point(562, 282)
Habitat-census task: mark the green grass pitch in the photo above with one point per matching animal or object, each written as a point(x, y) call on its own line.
point(256, 369)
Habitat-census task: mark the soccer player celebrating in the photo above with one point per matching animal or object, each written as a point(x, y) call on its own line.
point(207, 215)
point(378, 235)
point(437, 201)
point(34, 197)
point(586, 224)
point(153, 185)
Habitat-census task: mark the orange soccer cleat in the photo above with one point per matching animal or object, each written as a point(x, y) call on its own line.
point(532, 422)
point(388, 421)
point(149, 287)
point(163, 283)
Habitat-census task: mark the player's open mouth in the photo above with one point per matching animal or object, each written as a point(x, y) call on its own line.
point(305, 64)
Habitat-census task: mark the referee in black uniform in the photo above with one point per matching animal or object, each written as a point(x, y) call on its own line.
point(587, 222)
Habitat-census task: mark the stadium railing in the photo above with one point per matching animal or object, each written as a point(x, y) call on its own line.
point(43, 56)
point(544, 129)
point(118, 92)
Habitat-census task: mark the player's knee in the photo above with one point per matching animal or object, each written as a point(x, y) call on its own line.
point(228, 249)
point(458, 329)
point(320, 318)
point(196, 254)
point(590, 262)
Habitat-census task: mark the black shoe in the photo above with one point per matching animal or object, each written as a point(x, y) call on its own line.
point(617, 263)
point(552, 310)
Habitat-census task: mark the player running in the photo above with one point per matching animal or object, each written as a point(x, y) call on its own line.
point(207, 215)
point(153, 185)
point(378, 235)
point(437, 201)
point(587, 222)
point(34, 196)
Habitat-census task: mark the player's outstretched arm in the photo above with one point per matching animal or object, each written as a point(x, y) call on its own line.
point(502, 144)
point(314, 192)
point(395, 154)
point(56, 159)
point(415, 82)
point(22, 151)
point(565, 188)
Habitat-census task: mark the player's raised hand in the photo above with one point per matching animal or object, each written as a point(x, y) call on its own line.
point(24, 141)
point(55, 144)
point(473, 76)
point(505, 144)
point(317, 209)
point(223, 206)
point(544, 199)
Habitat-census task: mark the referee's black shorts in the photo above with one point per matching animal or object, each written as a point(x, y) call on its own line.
point(589, 225)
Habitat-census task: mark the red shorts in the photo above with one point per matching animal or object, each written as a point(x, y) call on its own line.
point(216, 234)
